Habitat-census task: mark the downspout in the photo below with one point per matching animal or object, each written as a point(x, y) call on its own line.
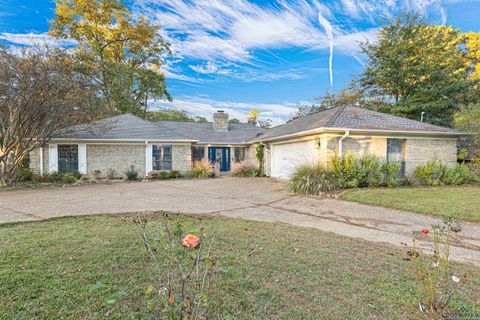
point(340, 142)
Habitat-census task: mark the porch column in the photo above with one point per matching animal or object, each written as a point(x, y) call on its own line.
point(148, 158)
point(82, 158)
point(52, 158)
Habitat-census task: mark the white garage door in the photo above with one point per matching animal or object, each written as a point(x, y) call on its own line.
point(285, 158)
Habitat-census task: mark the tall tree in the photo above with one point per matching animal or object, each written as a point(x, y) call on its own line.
point(415, 68)
point(252, 116)
point(169, 114)
point(327, 101)
point(41, 97)
point(122, 55)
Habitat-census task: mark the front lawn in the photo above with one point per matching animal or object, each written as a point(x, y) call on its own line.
point(459, 203)
point(48, 269)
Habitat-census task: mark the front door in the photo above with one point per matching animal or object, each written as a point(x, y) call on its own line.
point(220, 155)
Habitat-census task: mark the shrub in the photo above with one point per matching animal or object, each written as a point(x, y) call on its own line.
point(390, 172)
point(313, 179)
point(46, 178)
point(202, 169)
point(431, 173)
point(56, 176)
point(132, 174)
point(68, 178)
point(458, 174)
point(77, 175)
point(246, 169)
point(347, 169)
point(24, 175)
point(175, 174)
point(372, 170)
point(434, 173)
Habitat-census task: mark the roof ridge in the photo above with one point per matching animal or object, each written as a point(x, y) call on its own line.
point(335, 116)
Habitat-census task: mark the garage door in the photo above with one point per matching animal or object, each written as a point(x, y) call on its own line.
point(285, 158)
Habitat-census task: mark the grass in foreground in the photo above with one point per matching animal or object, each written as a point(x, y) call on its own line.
point(459, 203)
point(48, 269)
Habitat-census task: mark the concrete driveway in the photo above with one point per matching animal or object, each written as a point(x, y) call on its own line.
point(248, 198)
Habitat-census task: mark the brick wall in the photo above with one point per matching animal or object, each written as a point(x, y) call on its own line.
point(118, 157)
point(182, 157)
point(420, 151)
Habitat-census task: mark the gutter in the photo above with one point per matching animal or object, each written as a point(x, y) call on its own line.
point(322, 130)
point(340, 142)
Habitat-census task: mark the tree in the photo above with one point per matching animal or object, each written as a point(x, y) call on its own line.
point(169, 114)
point(200, 119)
point(253, 116)
point(234, 121)
point(467, 119)
point(41, 97)
point(265, 124)
point(415, 68)
point(327, 101)
point(120, 54)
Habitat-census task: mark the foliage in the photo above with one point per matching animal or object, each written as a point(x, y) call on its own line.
point(165, 174)
point(68, 179)
point(390, 172)
point(432, 271)
point(23, 175)
point(367, 171)
point(120, 53)
point(260, 154)
point(186, 286)
point(246, 169)
point(434, 173)
point(472, 46)
point(170, 114)
point(202, 169)
point(313, 179)
point(414, 68)
point(467, 119)
point(234, 121)
point(328, 101)
point(132, 173)
point(265, 124)
point(253, 116)
point(41, 96)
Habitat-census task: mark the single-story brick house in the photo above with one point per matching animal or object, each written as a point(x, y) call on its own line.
point(123, 141)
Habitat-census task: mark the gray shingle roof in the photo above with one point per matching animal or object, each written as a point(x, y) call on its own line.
point(354, 118)
point(130, 127)
point(123, 127)
point(237, 133)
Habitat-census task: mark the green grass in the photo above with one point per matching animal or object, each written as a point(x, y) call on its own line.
point(47, 270)
point(459, 203)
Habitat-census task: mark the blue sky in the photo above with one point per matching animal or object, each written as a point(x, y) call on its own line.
point(242, 54)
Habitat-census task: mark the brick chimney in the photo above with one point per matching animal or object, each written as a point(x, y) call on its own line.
point(220, 121)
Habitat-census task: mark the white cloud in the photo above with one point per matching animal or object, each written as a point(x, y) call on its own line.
point(31, 39)
point(201, 106)
point(210, 68)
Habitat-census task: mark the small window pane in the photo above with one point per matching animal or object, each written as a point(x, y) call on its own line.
point(239, 154)
point(162, 157)
point(67, 158)
point(198, 153)
point(395, 153)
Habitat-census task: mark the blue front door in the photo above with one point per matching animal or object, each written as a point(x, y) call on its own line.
point(220, 155)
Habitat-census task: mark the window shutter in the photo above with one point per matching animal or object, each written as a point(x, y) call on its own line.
point(52, 158)
point(82, 158)
point(148, 159)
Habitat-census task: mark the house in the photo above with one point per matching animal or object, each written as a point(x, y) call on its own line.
point(123, 141)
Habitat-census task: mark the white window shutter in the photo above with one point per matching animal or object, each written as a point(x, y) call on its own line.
point(148, 158)
point(82, 158)
point(52, 158)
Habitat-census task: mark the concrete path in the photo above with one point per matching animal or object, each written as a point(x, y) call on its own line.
point(248, 198)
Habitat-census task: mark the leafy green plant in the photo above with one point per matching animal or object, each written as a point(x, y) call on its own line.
point(434, 173)
point(390, 172)
point(246, 169)
point(430, 173)
point(186, 285)
point(372, 170)
point(57, 176)
point(313, 179)
point(202, 169)
point(132, 173)
point(347, 169)
point(68, 179)
point(23, 175)
point(260, 155)
point(175, 174)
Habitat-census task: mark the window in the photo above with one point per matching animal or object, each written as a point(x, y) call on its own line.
point(67, 158)
point(198, 153)
point(162, 157)
point(239, 154)
point(396, 152)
